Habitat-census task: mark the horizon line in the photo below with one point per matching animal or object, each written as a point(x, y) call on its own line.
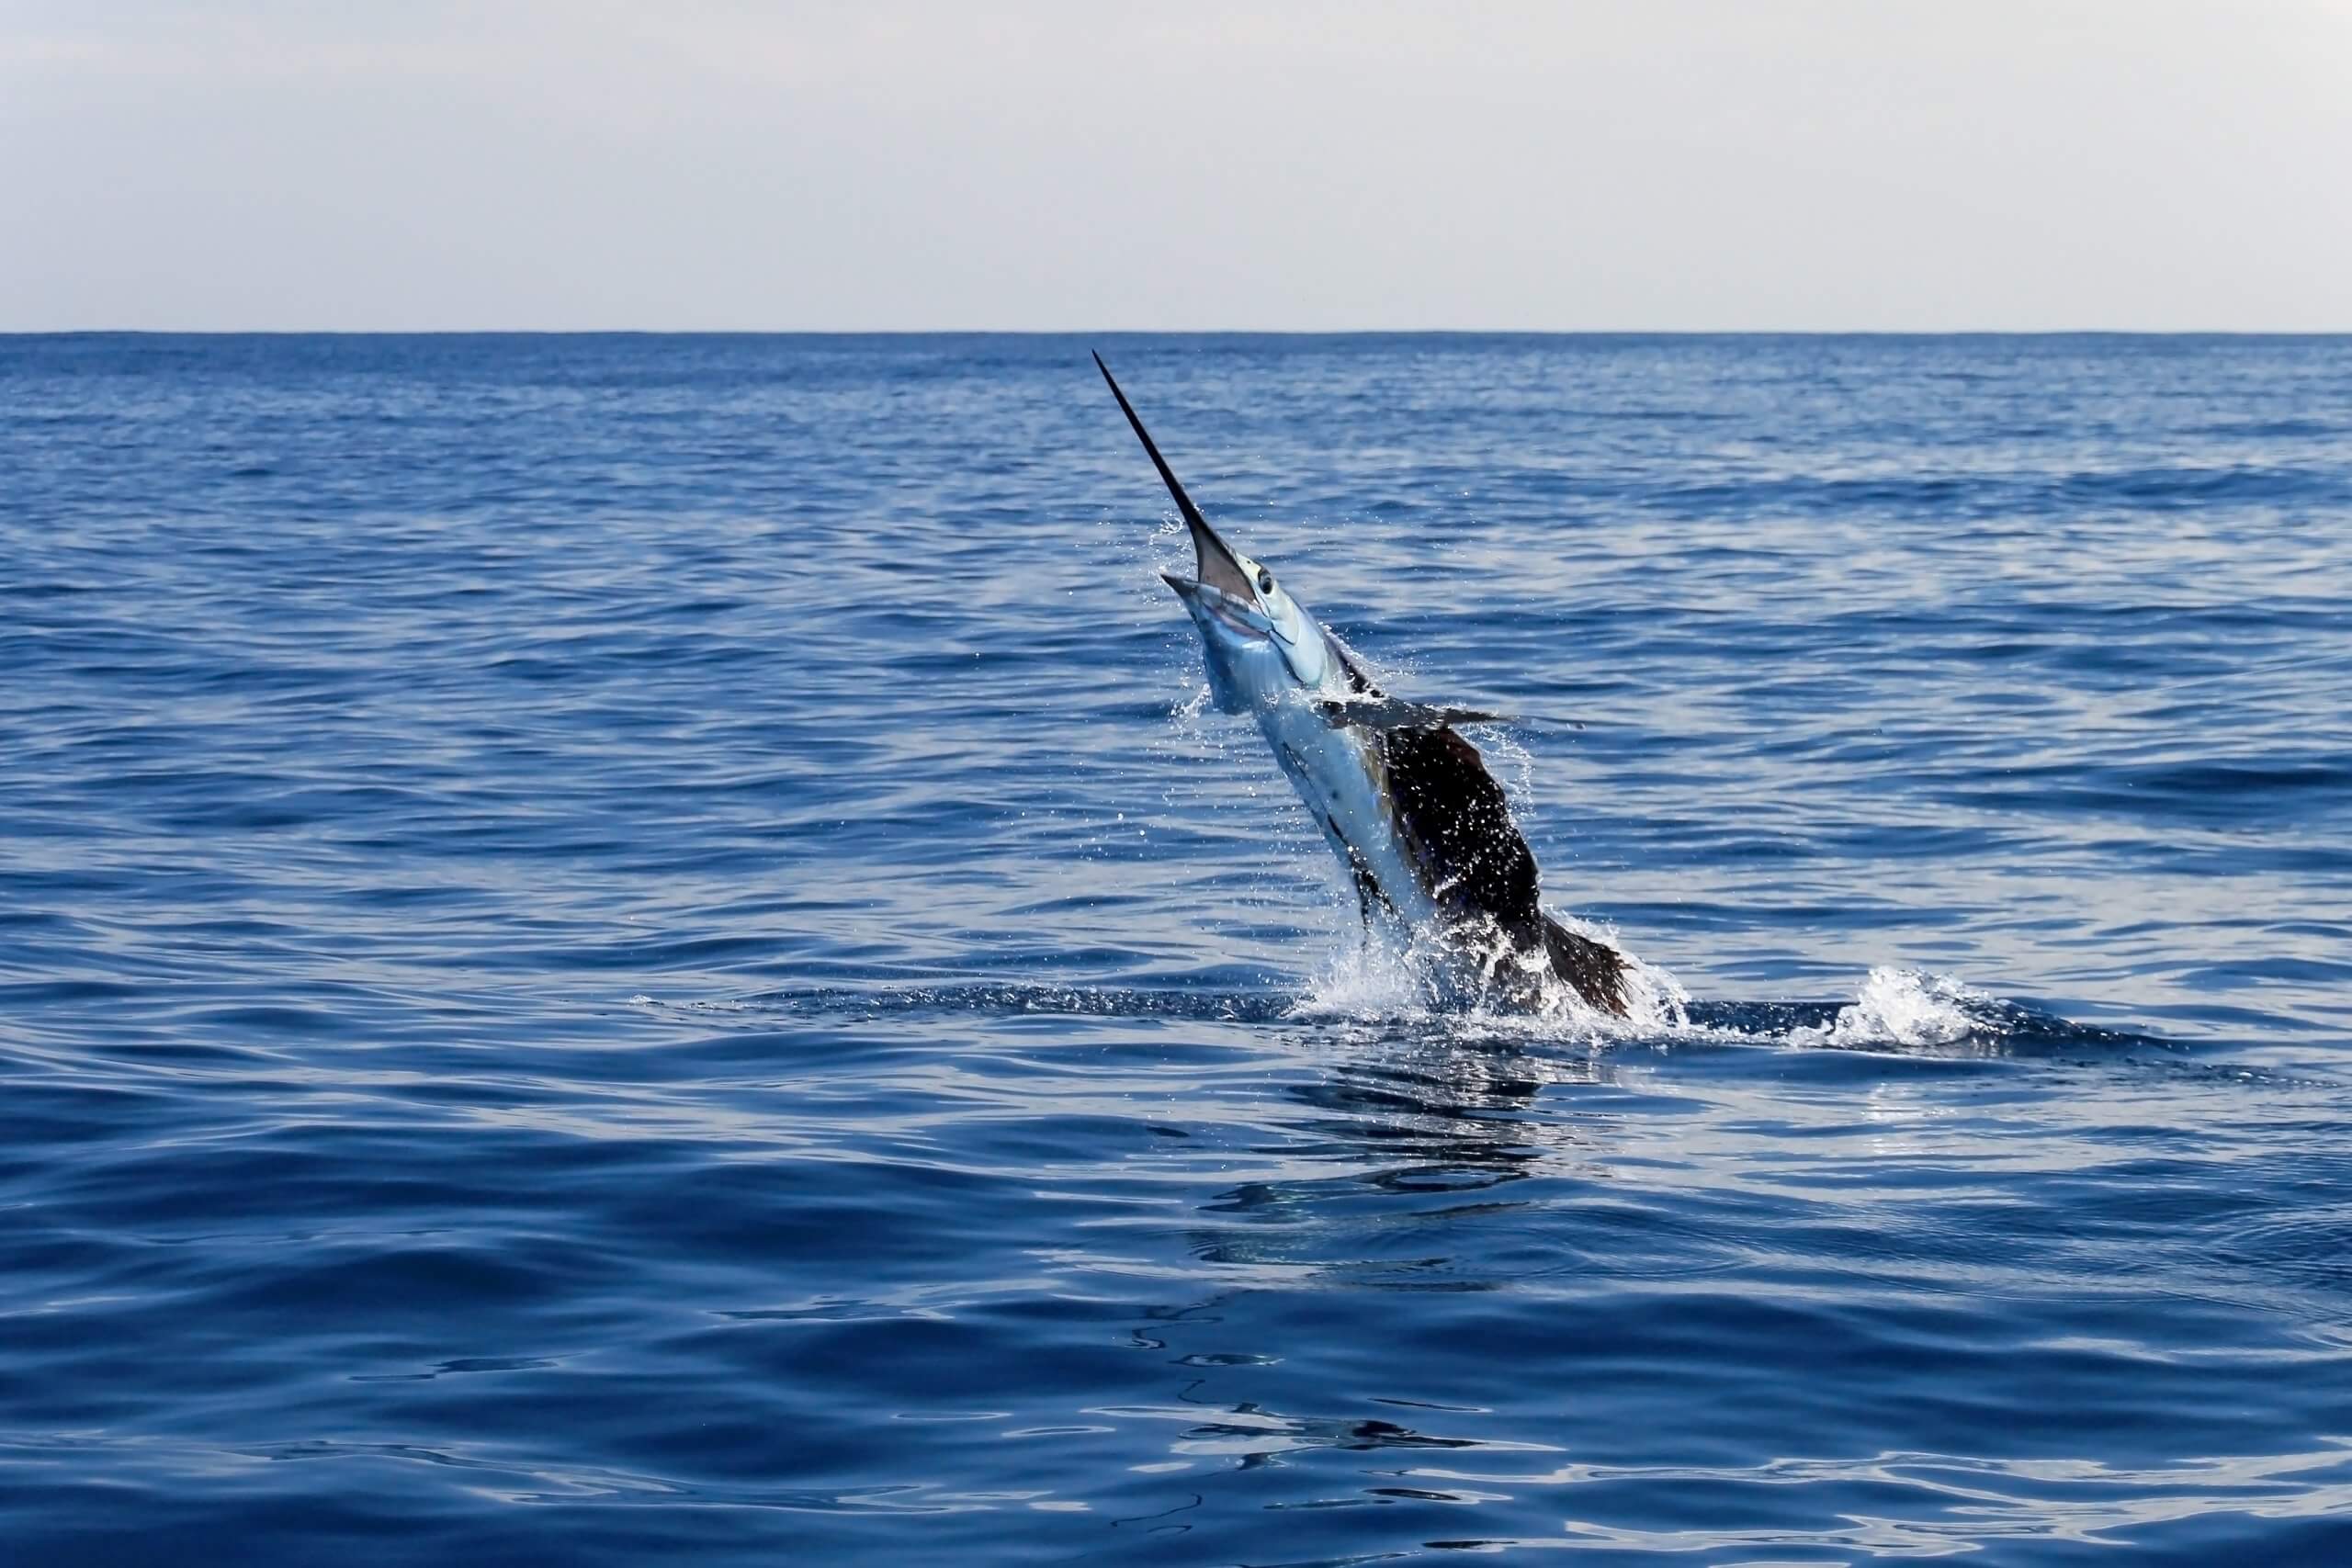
point(1175, 331)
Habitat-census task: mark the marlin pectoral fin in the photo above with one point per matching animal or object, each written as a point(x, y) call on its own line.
point(1396, 713)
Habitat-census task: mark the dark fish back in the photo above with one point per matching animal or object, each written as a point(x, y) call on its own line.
point(1458, 826)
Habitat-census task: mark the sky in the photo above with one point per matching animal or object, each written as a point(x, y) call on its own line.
point(1670, 165)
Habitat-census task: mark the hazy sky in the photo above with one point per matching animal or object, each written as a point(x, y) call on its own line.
point(1690, 163)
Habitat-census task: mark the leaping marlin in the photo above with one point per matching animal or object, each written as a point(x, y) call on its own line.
point(1406, 802)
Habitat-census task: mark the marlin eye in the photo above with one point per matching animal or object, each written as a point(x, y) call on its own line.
point(1265, 580)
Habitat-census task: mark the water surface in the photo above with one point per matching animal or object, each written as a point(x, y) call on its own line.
point(622, 947)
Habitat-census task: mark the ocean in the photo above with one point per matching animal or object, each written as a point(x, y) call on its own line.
point(625, 949)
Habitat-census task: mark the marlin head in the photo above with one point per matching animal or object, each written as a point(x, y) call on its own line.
point(1260, 642)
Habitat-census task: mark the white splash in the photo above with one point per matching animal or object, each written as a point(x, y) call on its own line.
point(1904, 1007)
point(1381, 978)
point(1366, 981)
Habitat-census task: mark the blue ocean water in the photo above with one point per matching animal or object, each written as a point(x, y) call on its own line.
point(618, 948)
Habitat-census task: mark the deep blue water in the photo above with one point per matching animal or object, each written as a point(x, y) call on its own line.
point(623, 949)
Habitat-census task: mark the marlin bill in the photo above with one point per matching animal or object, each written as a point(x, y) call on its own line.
point(1419, 826)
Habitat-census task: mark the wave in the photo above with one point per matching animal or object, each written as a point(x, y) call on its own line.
point(1203, 1004)
point(1893, 1010)
point(1918, 1009)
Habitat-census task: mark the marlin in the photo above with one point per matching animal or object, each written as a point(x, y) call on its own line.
point(1418, 824)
